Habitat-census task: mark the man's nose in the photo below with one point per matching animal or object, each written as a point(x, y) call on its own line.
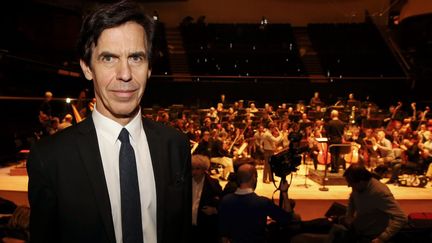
point(124, 71)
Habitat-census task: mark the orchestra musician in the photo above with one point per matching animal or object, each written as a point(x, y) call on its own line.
point(45, 111)
point(315, 100)
point(204, 145)
point(352, 101)
point(384, 148)
point(315, 148)
point(270, 138)
point(395, 116)
point(220, 155)
point(253, 108)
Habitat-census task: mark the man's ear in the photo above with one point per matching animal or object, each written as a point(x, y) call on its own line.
point(86, 70)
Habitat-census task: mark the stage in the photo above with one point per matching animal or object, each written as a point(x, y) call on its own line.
point(311, 201)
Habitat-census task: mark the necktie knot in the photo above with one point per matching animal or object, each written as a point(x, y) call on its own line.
point(124, 136)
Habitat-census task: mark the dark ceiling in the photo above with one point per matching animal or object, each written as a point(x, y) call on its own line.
point(45, 31)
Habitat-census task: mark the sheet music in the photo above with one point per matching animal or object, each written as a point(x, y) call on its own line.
point(321, 140)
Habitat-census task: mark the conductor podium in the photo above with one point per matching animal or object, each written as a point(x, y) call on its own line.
point(324, 178)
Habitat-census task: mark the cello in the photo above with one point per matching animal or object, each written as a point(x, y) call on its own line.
point(352, 135)
point(353, 156)
point(323, 156)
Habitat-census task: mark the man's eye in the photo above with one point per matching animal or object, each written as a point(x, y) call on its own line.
point(136, 58)
point(108, 59)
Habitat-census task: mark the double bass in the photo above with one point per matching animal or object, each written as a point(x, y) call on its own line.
point(392, 122)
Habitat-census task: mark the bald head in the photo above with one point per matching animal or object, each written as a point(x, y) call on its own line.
point(246, 175)
point(334, 114)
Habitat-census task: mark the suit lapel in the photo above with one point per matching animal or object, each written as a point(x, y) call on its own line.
point(155, 143)
point(90, 154)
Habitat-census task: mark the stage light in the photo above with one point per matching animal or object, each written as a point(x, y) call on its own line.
point(264, 21)
point(155, 16)
point(68, 100)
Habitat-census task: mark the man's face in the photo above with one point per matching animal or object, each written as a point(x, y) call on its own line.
point(198, 172)
point(119, 70)
point(357, 186)
point(380, 136)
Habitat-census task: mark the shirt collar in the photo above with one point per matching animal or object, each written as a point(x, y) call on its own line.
point(244, 191)
point(111, 129)
point(199, 182)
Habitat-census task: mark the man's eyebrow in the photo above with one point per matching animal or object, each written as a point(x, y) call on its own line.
point(138, 54)
point(107, 54)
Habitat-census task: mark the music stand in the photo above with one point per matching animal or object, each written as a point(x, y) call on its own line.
point(306, 171)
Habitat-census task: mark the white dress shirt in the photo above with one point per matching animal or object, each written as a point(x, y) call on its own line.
point(107, 132)
point(197, 188)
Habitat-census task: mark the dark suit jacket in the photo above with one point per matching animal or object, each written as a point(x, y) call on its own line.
point(207, 225)
point(68, 193)
point(210, 196)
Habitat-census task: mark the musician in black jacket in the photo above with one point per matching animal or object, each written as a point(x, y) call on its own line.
point(220, 155)
point(204, 145)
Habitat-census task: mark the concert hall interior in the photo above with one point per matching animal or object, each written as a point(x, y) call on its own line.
point(266, 78)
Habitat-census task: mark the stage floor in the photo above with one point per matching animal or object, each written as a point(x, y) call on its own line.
point(304, 188)
point(311, 201)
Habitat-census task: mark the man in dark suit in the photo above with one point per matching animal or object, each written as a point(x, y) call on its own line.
point(90, 181)
point(334, 131)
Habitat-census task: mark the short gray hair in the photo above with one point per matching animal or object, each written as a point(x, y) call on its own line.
point(201, 161)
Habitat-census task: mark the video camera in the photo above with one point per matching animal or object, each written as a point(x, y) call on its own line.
point(287, 160)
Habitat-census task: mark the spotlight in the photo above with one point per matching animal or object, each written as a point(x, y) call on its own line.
point(264, 21)
point(155, 16)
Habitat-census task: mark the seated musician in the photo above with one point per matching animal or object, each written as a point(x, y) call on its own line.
point(253, 107)
point(352, 101)
point(304, 118)
point(411, 162)
point(204, 147)
point(219, 155)
point(426, 155)
point(366, 152)
point(213, 114)
point(315, 100)
point(315, 148)
point(384, 148)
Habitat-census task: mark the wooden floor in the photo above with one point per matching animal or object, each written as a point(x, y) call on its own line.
point(311, 201)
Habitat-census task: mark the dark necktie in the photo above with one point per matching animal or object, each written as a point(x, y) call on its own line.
point(129, 191)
